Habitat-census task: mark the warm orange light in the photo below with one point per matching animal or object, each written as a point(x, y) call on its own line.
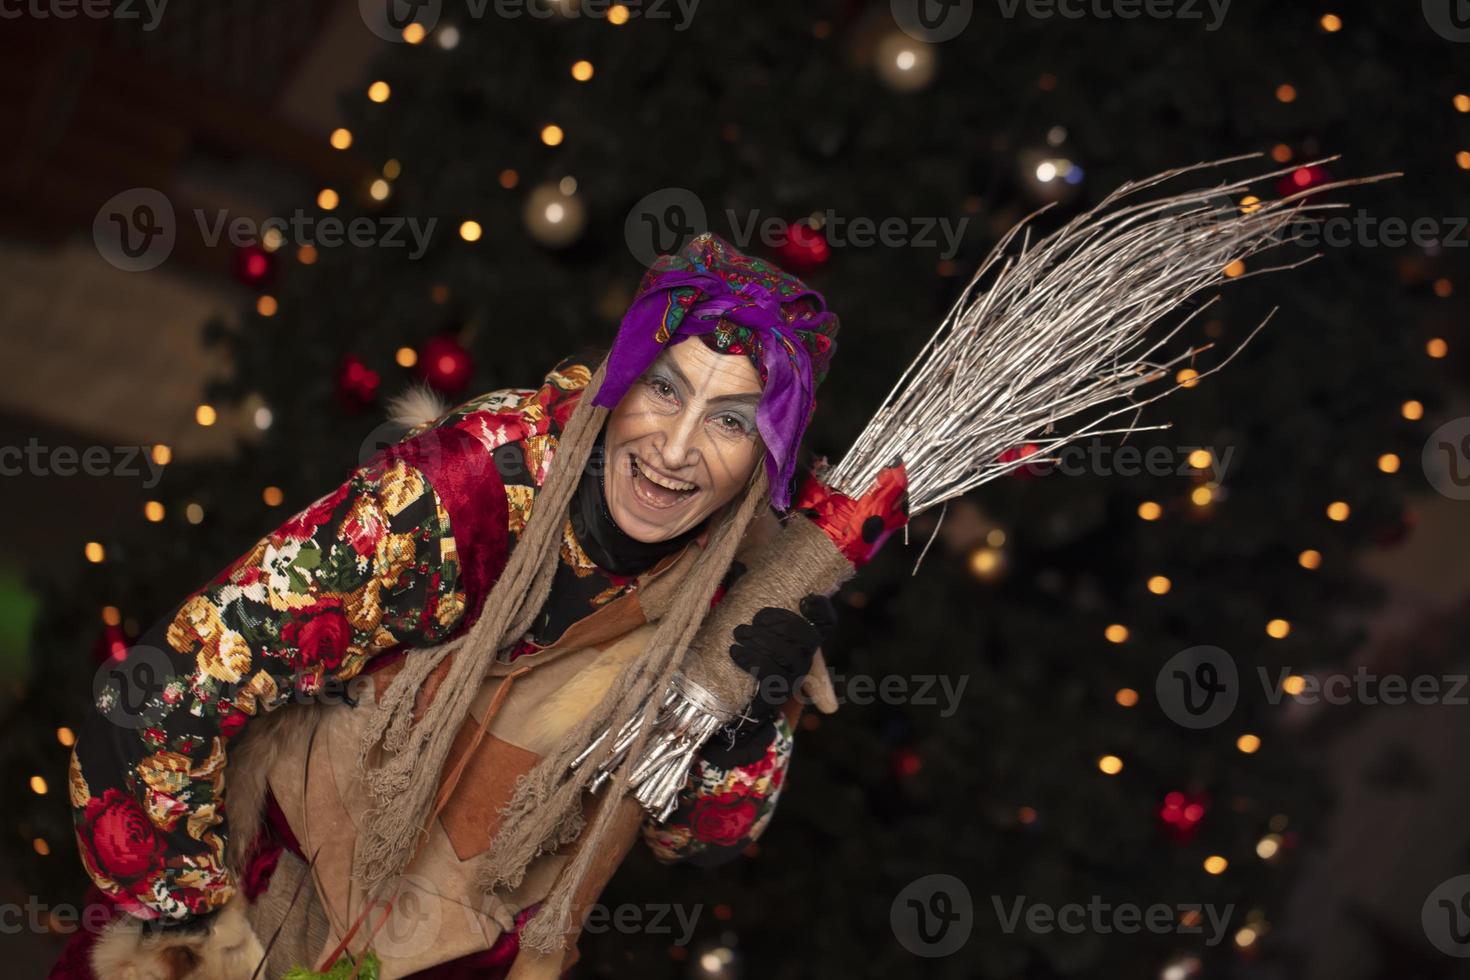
point(1159, 584)
point(582, 70)
point(266, 305)
point(1215, 864)
point(1235, 268)
point(153, 510)
point(1286, 92)
point(1310, 559)
point(1278, 629)
point(552, 135)
point(1436, 347)
point(1150, 511)
point(1338, 510)
point(1126, 696)
point(379, 91)
point(272, 496)
point(1116, 633)
point(1331, 23)
point(205, 415)
point(1388, 463)
point(1413, 410)
point(341, 138)
point(327, 199)
point(1110, 765)
point(470, 231)
point(1248, 743)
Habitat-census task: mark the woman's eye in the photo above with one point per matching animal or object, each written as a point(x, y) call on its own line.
point(661, 388)
point(731, 423)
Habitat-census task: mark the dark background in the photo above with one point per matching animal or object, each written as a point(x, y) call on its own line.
point(1336, 827)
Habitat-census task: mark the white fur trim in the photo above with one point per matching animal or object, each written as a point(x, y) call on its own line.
point(416, 406)
point(228, 951)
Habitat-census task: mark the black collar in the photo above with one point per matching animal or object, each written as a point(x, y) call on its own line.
point(608, 545)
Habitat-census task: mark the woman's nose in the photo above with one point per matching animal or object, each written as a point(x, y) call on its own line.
point(680, 444)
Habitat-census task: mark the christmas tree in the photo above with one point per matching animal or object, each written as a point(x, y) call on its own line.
point(1003, 724)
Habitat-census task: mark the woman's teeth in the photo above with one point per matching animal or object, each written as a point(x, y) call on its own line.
point(659, 491)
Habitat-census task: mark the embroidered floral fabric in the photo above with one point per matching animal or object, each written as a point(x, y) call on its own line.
point(369, 568)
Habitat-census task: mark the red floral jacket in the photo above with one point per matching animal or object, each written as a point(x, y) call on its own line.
point(399, 556)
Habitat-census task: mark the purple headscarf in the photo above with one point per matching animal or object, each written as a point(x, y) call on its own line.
point(736, 304)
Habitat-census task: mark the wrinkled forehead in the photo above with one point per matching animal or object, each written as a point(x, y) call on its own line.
point(707, 372)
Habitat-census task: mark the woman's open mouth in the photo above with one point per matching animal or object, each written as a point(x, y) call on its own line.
point(657, 490)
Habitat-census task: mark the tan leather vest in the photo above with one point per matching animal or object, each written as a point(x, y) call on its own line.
point(438, 914)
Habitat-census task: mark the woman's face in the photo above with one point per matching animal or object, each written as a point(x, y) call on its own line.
point(682, 442)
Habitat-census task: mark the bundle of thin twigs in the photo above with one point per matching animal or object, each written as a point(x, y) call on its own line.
point(1048, 345)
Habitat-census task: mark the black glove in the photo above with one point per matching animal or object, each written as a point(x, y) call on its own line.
point(776, 648)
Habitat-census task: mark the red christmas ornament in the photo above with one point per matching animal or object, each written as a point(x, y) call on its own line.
point(445, 364)
point(357, 384)
point(1181, 813)
point(1017, 453)
point(906, 763)
point(112, 645)
point(1302, 179)
point(254, 266)
point(804, 248)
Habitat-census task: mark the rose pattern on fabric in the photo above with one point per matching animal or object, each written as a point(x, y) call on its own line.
point(369, 569)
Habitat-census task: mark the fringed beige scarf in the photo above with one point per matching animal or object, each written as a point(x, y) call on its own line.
point(545, 812)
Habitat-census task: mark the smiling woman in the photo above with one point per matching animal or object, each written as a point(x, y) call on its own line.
point(516, 575)
point(682, 442)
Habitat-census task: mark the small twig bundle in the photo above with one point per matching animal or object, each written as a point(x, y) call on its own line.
point(1059, 332)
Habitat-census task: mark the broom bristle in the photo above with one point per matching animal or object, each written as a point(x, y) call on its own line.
point(1051, 341)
